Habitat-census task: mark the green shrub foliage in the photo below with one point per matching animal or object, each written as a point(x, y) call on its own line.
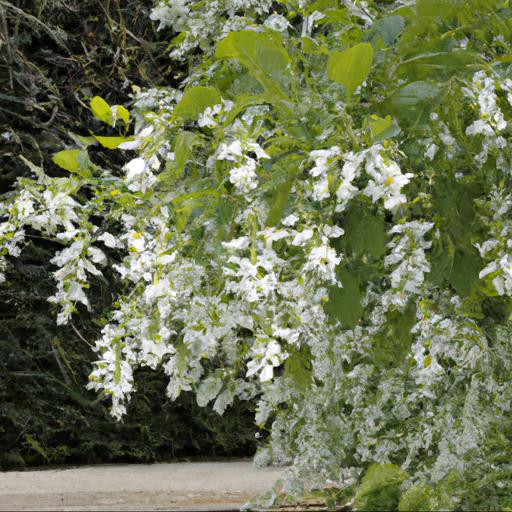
point(318, 220)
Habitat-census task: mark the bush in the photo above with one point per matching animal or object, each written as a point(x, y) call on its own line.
point(319, 219)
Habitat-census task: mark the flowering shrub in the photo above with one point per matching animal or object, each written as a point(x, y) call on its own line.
point(320, 219)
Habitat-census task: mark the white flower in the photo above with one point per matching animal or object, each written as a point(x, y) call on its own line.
point(267, 357)
point(431, 151)
point(322, 158)
point(480, 127)
point(237, 243)
point(68, 254)
point(208, 117)
point(321, 188)
point(332, 231)
point(387, 180)
point(136, 241)
point(134, 168)
point(110, 240)
point(258, 150)
point(302, 237)
point(277, 22)
point(230, 152)
point(138, 177)
point(323, 260)
point(97, 255)
point(290, 220)
point(244, 177)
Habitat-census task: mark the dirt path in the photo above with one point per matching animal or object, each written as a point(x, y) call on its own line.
point(180, 486)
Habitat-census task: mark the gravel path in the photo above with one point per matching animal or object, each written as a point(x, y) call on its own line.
point(193, 486)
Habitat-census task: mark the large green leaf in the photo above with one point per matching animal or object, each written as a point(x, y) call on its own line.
point(365, 234)
point(412, 103)
point(351, 66)
point(73, 160)
point(417, 497)
point(414, 93)
point(195, 101)
point(382, 128)
point(122, 113)
point(262, 54)
point(298, 367)
point(387, 29)
point(464, 273)
point(344, 304)
point(436, 65)
point(392, 344)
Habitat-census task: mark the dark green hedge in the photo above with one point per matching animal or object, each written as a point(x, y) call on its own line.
point(54, 55)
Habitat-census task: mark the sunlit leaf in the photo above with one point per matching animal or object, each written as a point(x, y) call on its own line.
point(351, 66)
point(102, 111)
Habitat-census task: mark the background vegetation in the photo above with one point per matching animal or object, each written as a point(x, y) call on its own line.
point(54, 56)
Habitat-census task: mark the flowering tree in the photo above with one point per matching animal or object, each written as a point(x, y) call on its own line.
point(319, 220)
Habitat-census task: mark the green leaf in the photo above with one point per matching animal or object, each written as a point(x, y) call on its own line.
point(183, 150)
point(413, 103)
point(81, 140)
point(195, 101)
point(73, 160)
point(466, 267)
point(112, 142)
point(365, 233)
point(279, 201)
point(225, 398)
point(183, 214)
point(298, 367)
point(122, 113)
point(380, 488)
point(345, 303)
point(436, 65)
point(382, 128)
point(350, 67)
point(392, 344)
point(415, 92)
point(102, 111)
point(312, 47)
point(389, 29)
point(263, 55)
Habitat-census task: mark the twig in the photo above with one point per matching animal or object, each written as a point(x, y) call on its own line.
point(80, 336)
point(36, 21)
point(5, 31)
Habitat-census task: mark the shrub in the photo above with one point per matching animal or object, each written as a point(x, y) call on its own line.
point(320, 219)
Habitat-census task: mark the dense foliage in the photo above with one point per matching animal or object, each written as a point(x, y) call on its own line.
point(319, 220)
point(53, 56)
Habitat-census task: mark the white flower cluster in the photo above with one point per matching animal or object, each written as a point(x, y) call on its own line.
point(409, 261)
point(497, 250)
point(482, 92)
point(201, 23)
point(212, 116)
point(47, 206)
point(243, 176)
point(324, 159)
point(386, 179)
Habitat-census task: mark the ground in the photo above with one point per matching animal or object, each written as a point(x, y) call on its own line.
point(189, 486)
